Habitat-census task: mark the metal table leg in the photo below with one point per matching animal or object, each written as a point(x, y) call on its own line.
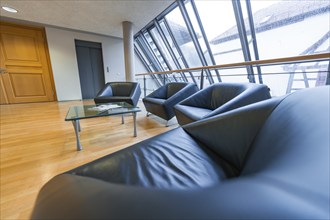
point(76, 126)
point(122, 119)
point(134, 121)
point(79, 127)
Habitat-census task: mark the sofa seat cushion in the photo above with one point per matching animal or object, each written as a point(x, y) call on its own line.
point(170, 161)
point(277, 151)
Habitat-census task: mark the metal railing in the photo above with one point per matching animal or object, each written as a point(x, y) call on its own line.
point(292, 66)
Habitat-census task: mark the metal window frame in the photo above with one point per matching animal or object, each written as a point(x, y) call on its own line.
point(243, 38)
point(254, 38)
point(146, 66)
point(201, 27)
point(194, 38)
point(328, 75)
point(165, 77)
point(168, 28)
point(145, 41)
point(169, 49)
point(142, 42)
point(147, 53)
point(160, 51)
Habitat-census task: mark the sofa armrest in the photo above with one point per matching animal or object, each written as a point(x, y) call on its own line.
point(246, 198)
point(231, 134)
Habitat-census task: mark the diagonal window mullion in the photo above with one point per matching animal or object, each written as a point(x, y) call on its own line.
point(162, 35)
point(168, 28)
point(194, 39)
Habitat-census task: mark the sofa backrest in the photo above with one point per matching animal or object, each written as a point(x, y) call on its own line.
point(285, 138)
point(122, 88)
point(294, 142)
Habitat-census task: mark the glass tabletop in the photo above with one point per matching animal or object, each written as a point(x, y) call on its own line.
point(92, 111)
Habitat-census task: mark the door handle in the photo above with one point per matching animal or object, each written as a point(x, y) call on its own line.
point(3, 70)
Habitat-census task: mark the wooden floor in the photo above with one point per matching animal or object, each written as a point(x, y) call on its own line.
point(37, 144)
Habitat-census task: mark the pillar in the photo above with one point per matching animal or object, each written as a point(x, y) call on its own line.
point(128, 38)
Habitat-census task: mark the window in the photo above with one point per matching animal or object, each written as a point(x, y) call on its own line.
point(291, 28)
point(224, 31)
point(219, 23)
point(182, 37)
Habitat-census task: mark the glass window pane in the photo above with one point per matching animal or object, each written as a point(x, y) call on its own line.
point(248, 29)
point(182, 37)
point(198, 32)
point(156, 52)
point(283, 79)
point(291, 27)
point(144, 57)
point(234, 75)
point(170, 41)
point(163, 47)
point(219, 23)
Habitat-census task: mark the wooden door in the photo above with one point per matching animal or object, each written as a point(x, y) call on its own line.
point(26, 75)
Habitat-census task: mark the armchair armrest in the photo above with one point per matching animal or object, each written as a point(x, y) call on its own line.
point(105, 91)
point(135, 93)
point(181, 95)
point(159, 93)
point(250, 96)
point(198, 99)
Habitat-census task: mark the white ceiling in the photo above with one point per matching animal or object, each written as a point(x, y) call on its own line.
point(96, 16)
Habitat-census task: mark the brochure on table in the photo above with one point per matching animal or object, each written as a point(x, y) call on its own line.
point(105, 107)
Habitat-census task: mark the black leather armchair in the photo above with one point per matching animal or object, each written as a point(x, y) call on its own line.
point(128, 92)
point(267, 160)
point(161, 101)
point(219, 98)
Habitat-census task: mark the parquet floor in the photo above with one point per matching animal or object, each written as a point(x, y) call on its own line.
point(36, 144)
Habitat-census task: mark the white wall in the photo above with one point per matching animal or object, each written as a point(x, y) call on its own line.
point(64, 60)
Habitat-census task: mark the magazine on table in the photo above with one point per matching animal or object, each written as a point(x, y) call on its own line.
point(105, 107)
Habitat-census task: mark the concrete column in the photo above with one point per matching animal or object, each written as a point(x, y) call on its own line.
point(128, 38)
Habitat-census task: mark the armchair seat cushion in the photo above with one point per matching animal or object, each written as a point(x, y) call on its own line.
point(161, 102)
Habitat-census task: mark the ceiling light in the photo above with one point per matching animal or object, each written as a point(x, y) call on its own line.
point(9, 9)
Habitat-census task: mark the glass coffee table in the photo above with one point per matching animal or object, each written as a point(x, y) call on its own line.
point(76, 113)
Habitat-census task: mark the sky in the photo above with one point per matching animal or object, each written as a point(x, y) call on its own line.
point(217, 15)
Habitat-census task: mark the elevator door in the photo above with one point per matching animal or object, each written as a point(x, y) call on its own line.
point(90, 65)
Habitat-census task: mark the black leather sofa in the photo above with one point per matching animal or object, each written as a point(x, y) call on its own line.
point(161, 101)
point(219, 98)
point(128, 92)
point(267, 160)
